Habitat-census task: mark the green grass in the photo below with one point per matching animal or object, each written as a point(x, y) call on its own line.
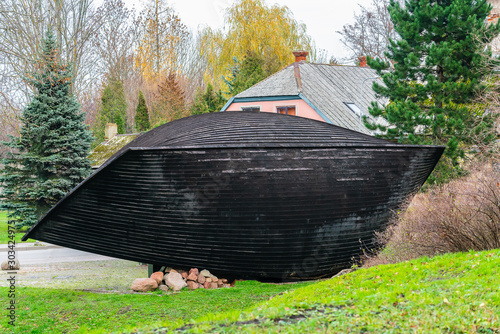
point(454, 293)
point(4, 236)
point(58, 311)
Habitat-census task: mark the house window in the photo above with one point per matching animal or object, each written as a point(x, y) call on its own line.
point(251, 108)
point(286, 110)
point(354, 108)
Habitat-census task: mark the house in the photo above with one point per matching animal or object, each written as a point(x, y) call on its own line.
point(334, 94)
point(495, 11)
point(113, 143)
point(493, 19)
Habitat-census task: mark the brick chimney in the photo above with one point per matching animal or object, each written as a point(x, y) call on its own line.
point(110, 130)
point(300, 55)
point(362, 61)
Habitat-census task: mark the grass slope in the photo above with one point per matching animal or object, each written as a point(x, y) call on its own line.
point(454, 293)
point(44, 311)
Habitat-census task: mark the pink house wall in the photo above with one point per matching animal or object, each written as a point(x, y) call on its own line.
point(302, 109)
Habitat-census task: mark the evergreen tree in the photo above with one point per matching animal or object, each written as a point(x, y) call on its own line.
point(208, 101)
point(253, 69)
point(49, 157)
point(439, 64)
point(169, 104)
point(113, 109)
point(142, 115)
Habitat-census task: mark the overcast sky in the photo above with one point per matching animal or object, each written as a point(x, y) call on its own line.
point(322, 17)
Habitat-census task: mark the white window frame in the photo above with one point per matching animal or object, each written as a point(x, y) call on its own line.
point(356, 110)
point(256, 106)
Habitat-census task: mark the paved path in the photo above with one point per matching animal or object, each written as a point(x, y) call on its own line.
point(28, 253)
point(21, 246)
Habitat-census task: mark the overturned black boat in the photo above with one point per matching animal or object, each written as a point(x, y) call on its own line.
point(243, 194)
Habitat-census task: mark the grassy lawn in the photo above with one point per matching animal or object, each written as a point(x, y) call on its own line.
point(4, 236)
point(454, 293)
point(42, 310)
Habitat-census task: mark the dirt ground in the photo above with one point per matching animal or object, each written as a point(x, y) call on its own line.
point(105, 276)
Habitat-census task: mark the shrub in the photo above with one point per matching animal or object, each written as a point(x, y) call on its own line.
point(455, 217)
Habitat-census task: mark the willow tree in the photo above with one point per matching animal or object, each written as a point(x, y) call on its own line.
point(251, 26)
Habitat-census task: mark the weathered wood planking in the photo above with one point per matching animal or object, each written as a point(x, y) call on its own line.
point(246, 195)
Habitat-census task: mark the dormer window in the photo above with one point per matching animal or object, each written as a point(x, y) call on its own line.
point(286, 110)
point(354, 108)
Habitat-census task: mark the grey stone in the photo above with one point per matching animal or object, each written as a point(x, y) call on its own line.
point(6, 265)
point(164, 287)
point(205, 273)
point(175, 281)
point(343, 272)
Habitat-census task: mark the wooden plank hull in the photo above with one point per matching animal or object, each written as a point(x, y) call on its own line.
point(254, 213)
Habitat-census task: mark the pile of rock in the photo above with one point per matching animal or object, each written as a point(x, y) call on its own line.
point(176, 280)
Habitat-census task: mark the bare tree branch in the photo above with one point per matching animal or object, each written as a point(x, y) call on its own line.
point(371, 31)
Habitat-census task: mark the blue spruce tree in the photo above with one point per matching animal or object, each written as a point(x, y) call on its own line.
point(49, 158)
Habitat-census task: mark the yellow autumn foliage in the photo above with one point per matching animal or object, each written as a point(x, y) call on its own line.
point(252, 26)
point(162, 40)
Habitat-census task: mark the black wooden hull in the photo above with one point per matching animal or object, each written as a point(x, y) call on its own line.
point(243, 212)
point(294, 214)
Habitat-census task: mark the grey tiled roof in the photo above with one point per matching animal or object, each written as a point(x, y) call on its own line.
point(280, 83)
point(328, 87)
